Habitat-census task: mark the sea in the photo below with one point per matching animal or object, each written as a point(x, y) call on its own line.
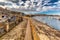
point(51, 21)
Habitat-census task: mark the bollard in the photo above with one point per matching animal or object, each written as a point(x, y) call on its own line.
point(7, 27)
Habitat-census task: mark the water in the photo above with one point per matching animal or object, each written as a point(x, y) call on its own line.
point(54, 23)
point(48, 12)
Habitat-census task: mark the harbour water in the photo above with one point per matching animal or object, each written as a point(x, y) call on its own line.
point(54, 23)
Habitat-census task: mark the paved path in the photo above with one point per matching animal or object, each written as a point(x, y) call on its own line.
point(15, 33)
point(45, 32)
point(31, 29)
point(28, 35)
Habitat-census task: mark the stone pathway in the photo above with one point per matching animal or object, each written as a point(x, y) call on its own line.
point(16, 33)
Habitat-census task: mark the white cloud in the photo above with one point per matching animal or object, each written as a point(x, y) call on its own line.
point(54, 7)
point(30, 5)
point(2, 0)
point(57, 5)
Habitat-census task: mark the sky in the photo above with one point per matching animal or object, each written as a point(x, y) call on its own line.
point(43, 6)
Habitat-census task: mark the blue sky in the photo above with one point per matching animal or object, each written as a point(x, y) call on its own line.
point(54, 11)
point(57, 12)
point(48, 7)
